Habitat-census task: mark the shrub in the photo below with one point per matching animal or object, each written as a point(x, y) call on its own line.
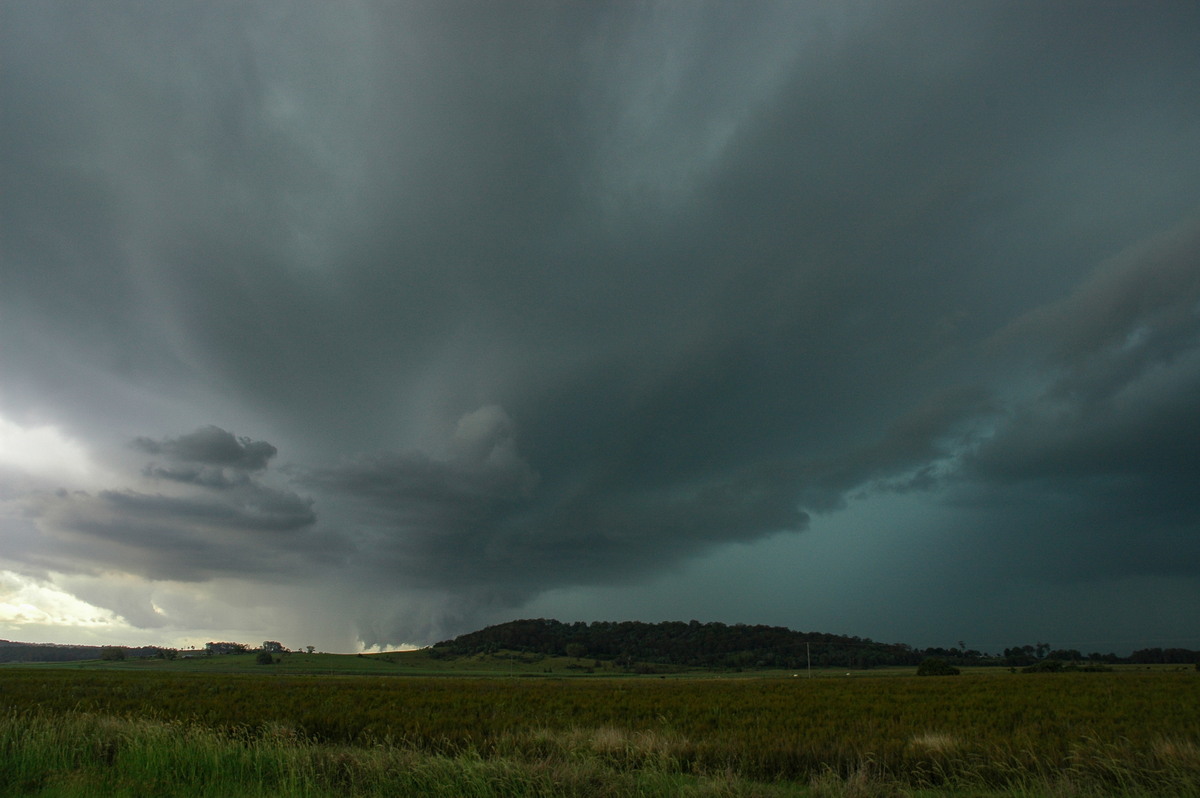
point(264, 658)
point(936, 667)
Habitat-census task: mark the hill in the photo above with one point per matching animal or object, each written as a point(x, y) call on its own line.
point(688, 645)
point(717, 645)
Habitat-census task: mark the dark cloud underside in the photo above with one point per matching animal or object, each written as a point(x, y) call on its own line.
point(546, 296)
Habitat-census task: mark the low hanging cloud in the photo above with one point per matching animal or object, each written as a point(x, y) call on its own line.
point(478, 522)
point(214, 447)
point(212, 525)
point(478, 526)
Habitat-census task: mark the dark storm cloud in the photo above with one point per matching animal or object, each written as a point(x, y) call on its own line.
point(1109, 448)
point(484, 467)
point(1139, 312)
point(258, 531)
point(261, 510)
point(480, 518)
point(436, 525)
point(724, 270)
point(212, 446)
point(1122, 372)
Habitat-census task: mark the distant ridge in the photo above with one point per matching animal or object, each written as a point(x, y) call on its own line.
point(55, 652)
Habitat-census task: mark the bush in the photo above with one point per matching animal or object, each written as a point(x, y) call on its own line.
point(936, 667)
point(264, 658)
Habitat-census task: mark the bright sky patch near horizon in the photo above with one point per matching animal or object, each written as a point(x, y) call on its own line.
point(371, 324)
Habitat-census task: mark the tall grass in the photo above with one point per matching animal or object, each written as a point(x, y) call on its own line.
point(84, 755)
point(1054, 735)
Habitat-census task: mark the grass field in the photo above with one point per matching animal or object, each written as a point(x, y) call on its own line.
point(420, 663)
point(81, 730)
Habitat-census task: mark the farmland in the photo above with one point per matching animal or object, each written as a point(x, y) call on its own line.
point(991, 733)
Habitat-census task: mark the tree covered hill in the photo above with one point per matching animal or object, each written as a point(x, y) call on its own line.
point(691, 644)
point(717, 645)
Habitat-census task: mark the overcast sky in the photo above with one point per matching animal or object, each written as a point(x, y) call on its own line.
point(371, 323)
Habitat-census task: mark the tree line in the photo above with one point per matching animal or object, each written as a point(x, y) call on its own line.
point(671, 644)
point(718, 645)
point(54, 652)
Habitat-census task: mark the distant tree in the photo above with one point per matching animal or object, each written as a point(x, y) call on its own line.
point(309, 649)
point(112, 653)
point(936, 667)
point(1018, 656)
point(576, 650)
point(272, 646)
point(264, 658)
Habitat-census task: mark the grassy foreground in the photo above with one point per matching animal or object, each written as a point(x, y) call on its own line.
point(71, 733)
